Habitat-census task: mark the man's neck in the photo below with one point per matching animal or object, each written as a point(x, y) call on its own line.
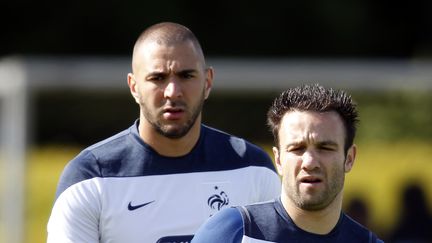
point(168, 146)
point(317, 222)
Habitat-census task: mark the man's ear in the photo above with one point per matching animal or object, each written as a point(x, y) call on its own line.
point(209, 81)
point(350, 158)
point(133, 86)
point(277, 160)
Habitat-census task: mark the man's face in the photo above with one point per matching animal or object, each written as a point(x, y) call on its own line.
point(311, 159)
point(170, 84)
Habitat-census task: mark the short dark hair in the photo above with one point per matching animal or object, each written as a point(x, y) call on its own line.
point(317, 98)
point(168, 32)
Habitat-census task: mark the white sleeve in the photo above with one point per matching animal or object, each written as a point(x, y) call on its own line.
point(75, 215)
point(270, 186)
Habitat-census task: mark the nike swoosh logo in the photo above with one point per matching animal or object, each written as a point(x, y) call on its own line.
point(133, 207)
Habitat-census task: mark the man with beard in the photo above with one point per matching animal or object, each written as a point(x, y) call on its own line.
point(158, 180)
point(313, 129)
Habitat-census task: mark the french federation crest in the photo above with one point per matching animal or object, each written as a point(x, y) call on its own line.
point(218, 200)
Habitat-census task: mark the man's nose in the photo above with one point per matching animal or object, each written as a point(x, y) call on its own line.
point(310, 160)
point(172, 88)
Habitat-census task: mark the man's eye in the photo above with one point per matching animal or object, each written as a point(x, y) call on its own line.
point(187, 75)
point(156, 78)
point(296, 149)
point(327, 148)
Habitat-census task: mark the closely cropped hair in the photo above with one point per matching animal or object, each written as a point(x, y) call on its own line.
point(168, 33)
point(314, 98)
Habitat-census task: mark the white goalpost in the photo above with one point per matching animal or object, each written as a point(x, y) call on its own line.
point(13, 131)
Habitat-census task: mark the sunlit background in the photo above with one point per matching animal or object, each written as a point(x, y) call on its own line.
point(63, 67)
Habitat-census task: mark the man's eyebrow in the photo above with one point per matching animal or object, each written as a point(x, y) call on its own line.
point(155, 73)
point(328, 143)
point(164, 72)
point(186, 71)
point(320, 143)
point(299, 143)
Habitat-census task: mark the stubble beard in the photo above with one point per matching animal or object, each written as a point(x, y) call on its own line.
point(180, 130)
point(320, 199)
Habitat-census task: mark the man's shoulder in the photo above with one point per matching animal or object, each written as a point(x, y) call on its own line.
point(91, 156)
point(225, 226)
point(265, 211)
point(116, 141)
point(238, 148)
point(262, 206)
point(353, 229)
point(95, 160)
point(241, 145)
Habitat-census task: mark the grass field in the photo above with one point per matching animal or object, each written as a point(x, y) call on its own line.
point(379, 174)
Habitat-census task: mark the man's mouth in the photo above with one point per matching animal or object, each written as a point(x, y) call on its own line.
point(310, 180)
point(173, 113)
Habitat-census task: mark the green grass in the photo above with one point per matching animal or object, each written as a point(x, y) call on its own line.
point(380, 171)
